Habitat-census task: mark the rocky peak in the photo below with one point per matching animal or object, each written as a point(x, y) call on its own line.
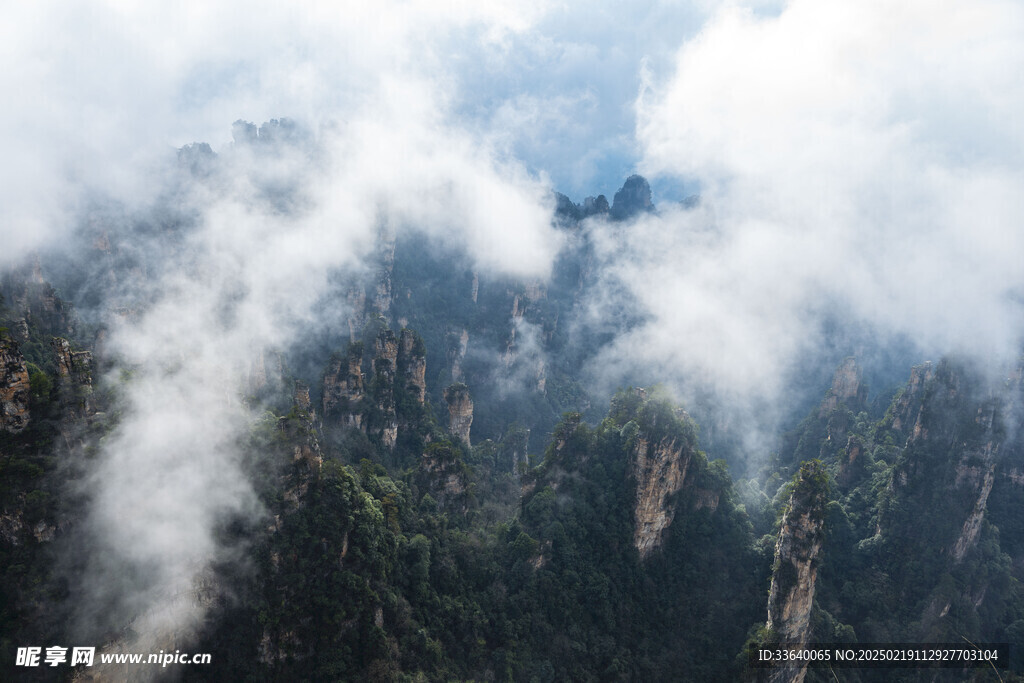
point(14, 387)
point(243, 132)
point(565, 208)
point(301, 397)
point(975, 473)
point(847, 388)
point(660, 471)
point(852, 465)
point(385, 365)
point(633, 198)
point(456, 352)
point(594, 206)
point(197, 158)
point(972, 525)
point(460, 411)
point(385, 348)
point(33, 302)
point(796, 562)
point(307, 457)
point(343, 388)
point(955, 433)
point(412, 363)
point(907, 408)
point(443, 473)
point(74, 378)
point(272, 132)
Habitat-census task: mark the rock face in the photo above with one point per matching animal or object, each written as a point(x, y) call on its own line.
point(972, 525)
point(343, 388)
point(947, 457)
point(301, 399)
point(379, 291)
point(594, 206)
point(796, 553)
point(74, 379)
point(633, 198)
point(457, 353)
point(399, 371)
point(355, 298)
point(852, 466)
point(385, 354)
point(975, 472)
point(442, 472)
point(412, 364)
point(907, 409)
point(34, 301)
point(385, 368)
point(307, 457)
point(460, 411)
point(847, 389)
point(660, 471)
point(14, 387)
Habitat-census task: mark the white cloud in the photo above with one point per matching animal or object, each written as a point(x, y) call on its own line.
point(107, 91)
point(858, 160)
point(855, 156)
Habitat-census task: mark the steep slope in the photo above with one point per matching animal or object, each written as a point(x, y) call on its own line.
point(905, 533)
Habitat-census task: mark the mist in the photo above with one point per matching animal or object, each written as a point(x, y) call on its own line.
point(247, 279)
point(234, 246)
point(855, 161)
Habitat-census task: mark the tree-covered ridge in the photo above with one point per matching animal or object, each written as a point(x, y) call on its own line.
point(917, 501)
point(425, 559)
point(381, 575)
point(601, 545)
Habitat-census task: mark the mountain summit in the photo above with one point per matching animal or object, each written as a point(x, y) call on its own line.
point(633, 198)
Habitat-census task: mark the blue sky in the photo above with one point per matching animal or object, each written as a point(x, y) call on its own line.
point(109, 85)
point(573, 81)
point(880, 141)
point(857, 159)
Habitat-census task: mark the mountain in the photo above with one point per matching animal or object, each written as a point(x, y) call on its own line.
point(439, 493)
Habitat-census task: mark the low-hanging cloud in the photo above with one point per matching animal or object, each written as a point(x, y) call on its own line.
point(101, 91)
point(858, 160)
point(266, 228)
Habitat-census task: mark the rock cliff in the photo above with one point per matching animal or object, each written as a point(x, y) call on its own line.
point(444, 475)
point(796, 563)
point(74, 379)
point(14, 387)
point(975, 474)
point(343, 388)
point(847, 389)
point(412, 364)
point(384, 422)
point(391, 401)
point(380, 290)
point(955, 436)
point(906, 411)
point(460, 411)
point(634, 197)
point(457, 347)
point(33, 303)
point(594, 206)
point(299, 428)
point(660, 471)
